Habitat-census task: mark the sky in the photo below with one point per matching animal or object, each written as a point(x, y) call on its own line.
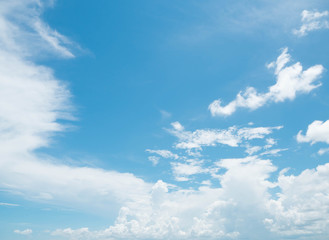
point(164, 120)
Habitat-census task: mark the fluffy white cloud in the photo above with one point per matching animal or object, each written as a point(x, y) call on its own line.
point(203, 213)
point(312, 20)
point(291, 80)
point(302, 207)
point(182, 171)
point(23, 232)
point(317, 131)
point(232, 136)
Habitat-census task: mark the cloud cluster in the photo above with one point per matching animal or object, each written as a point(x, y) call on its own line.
point(299, 207)
point(203, 213)
point(233, 136)
point(290, 81)
point(311, 21)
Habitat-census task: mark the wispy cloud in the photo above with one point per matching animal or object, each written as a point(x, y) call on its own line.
point(9, 204)
point(291, 80)
point(154, 159)
point(32, 101)
point(323, 151)
point(24, 232)
point(311, 21)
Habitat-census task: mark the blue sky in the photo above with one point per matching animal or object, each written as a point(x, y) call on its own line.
point(164, 120)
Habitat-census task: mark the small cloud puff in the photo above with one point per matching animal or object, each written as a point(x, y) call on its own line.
point(312, 20)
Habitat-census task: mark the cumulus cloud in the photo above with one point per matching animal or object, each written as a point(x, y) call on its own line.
point(311, 21)
point(298, 209)
point(302, 207)
point(317, 131)
point(203, 213)
point(290, 81)
point(23, 232)
point(182, 171)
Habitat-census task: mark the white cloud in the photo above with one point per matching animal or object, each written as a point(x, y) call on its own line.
point(323, 151)
point(291, 80)
point(273, 152)
point(302, 207)
point(177, 126)
point(232, 136)
point(299, 209)
point(163, 153)
point(32, 101)
point(312, 20)
point(22, 30)
point(182, 171)
point(204, 213)
point(252, 149)
point(317, 131)
point(53, 38)
point(270, 142)
point(154, 160)
point(23, 232)
point(9, 204)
